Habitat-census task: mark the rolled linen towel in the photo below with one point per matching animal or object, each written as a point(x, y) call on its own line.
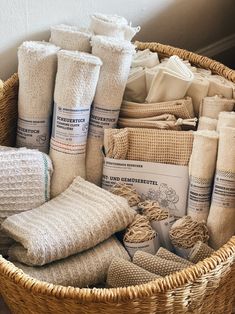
point(71, 37)
point(76, 81)
point(207, 124)
point(136, 87)
point(112, 26)
point(145, 58)
point(36, 70)
point(226, 119)
point(116, 56)
point(182, 108)
point(199, 252)
point(157, 265)
point(165, 254)
point(211, 106)
point(221, 220)
point(80, 270)
point(76, 220)
point(122, 273)
point(201, 172)
point(220, 86)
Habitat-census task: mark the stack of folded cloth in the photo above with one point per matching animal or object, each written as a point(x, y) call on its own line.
point(68, 240)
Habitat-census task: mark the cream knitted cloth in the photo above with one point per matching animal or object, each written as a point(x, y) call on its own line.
point(116, 56)
point(36, 70)
point(170, 147)
point(112, 26)
point(221, 220)
point(207, 124)
point(211, 106)
point(201, 171)
point(70, 37)
point(122, 273)
point(80, 270)
point(199, 252)
point(76, 220)
point(76, 81)
point(182, 108)
point(165, 254)
point(226, 119)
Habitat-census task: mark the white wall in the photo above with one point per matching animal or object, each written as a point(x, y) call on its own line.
point(190, 24)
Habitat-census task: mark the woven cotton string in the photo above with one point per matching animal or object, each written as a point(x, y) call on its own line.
point(126, 191)
point(139, 230)
point(152, 210)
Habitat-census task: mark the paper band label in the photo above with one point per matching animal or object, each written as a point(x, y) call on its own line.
point(167, 184)
point(150, 246)
point(33, 133)
point(199, 195)
point(224, 189)
point(102, 119)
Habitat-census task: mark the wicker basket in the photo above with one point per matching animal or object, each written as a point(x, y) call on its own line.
point(208, 287)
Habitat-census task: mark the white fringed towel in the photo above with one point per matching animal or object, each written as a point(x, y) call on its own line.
point(37, 64)
point(76, 220)
point(76, 82)
point(116, 56)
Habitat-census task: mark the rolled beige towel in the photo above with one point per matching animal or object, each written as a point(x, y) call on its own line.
point(199, 252)
point(211, 106)
point(226, 119)
point(207, 124)
point(122, 273)
point(165, 254)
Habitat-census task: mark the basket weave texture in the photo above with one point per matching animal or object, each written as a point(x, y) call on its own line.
point(207, 287)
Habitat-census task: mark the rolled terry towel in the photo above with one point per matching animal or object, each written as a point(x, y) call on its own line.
point(165, 254)
point(149, 145)
point(220, 86)
point(226, 119)
point(182, 108)
point(157, 265)
point(116, 56)
point(122, 273)
point(36, 70)
point(71, 37)
point(170, 82)
point(201, 172)
point(76, 81)
point(112, 26)
point(199, 252)
point(76, 220)
point(207, 124)
point(145, 58)
point(221, 220)
point(25, 184)
point(211, 106)
point(80, 270)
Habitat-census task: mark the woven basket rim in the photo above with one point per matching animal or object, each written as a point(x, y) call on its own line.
point(174, 281)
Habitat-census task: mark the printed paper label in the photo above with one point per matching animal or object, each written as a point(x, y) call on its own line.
point(33, 133)
point(224, 189)
point(199, 195)
point(150, 246)
point(163, 227)
point(167, 184)
point(102, 119)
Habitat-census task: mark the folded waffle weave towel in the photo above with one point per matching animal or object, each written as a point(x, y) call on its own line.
point(36, 70)
point(80, 270)
point(157, 265)
point(170, 147)
point(199, 252)
point(76, 82)
point(123, 273)
point(76, 220)
point(165, 254)
point(70, 38)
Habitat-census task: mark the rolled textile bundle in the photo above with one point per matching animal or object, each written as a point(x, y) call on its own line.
point(199, 252)
point(112, 26)
point(145, 58)
point(25, 184)
point(157, 265)
point(136, 87)
point(71, 37)
point(128, 192)
point(37, 64)
point(182, 108)
point(76, 82)
point(160, 221)
point(221, 220)
point(165, 254)
point(207, 124)
point(185, 232)
point(220, 86)
point(226, 119)
point(80, 270)
point(122, 273)
point(93, 216)
point(211, 106)
point(197, 91)
point(149, 145)
point(140, 236)
point(201, 172)
point(116, 56)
